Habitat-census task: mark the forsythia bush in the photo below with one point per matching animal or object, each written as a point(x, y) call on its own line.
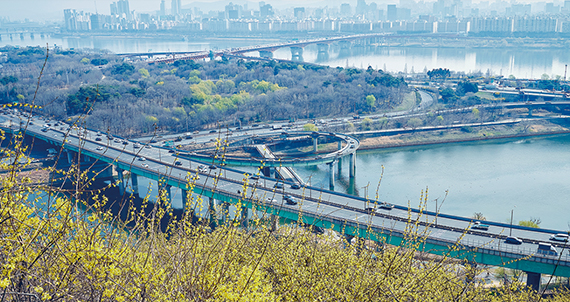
point(56, 249)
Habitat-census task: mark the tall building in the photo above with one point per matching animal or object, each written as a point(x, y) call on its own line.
point(121, 8)
point(114, 10)
point(70, 19)
point(361, 8)
point(176, 7)
point(392, 12)
point(162, 8)
point(266, 10)
point(299, 13)
point(345, 10)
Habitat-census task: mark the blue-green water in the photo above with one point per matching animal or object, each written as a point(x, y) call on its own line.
point(531, 176)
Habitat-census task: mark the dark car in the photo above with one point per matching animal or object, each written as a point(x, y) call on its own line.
point(289, 200)
point(295, 186)
point(125, 143)
point(278, 185)
point(178, 163)
point(98, 139)
point(170, 151)
point(254, 177)
point(213, 131)
point(212, 167)
point(513, 240)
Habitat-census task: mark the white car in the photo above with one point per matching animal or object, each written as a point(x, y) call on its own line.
point(99, 148)
point(559, 237)
point(271, 199)
point(141, 158)
point(144, 165)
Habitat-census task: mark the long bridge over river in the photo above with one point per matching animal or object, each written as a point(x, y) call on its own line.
point(349, 215)
point(296, 47)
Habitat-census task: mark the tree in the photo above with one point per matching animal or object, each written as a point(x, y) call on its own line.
point(479, 216)
point(442, 73)
point(370, 101)
point(144, 72)
point(448, 95)
point(464, 87)
point(310, 127)
point(531, 223)
point(475, 112)
point(415, 122)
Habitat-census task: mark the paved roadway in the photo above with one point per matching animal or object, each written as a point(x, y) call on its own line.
point(312, 201)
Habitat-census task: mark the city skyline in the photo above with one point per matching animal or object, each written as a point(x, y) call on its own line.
point(40, 10)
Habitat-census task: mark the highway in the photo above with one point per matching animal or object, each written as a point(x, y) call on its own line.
point(314, 203)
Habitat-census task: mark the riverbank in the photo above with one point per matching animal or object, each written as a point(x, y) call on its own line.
point(519, 130)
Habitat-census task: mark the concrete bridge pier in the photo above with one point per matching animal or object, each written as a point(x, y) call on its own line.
point(266, 54)
point(323, 48)
point(225, 213)
point(339, 160)
point(348, 239)
point(69, 157)
point(273, 226)
point(244, 216)
point(121, 183)
point(533, 280)
point(212, 210)
point(331, 175)
point(168, 191)
point(345, 45)
point(296, 53)
point(315, 144)
point(268, 171)
point(135, 184)
point(185, 199)
point(352, 165)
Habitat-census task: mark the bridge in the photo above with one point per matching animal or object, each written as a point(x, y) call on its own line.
point(349, 215)
point(296, 46)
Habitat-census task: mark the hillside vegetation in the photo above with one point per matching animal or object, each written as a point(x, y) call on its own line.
point(133, 98)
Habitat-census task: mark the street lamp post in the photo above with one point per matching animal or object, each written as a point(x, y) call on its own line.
point(511, 230)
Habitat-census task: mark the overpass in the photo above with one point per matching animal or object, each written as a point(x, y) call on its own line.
point(349, 215)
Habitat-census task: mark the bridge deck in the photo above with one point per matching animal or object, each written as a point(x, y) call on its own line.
point(449, 235)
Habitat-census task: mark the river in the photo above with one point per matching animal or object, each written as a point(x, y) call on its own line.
point(529, 176)
point(521, 63)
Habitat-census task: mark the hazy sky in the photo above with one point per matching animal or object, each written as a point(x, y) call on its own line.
point(41, 10)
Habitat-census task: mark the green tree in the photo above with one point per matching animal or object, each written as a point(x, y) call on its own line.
point(442, 73)
point(531, 223)
point(370, 101)
point(85, 61)
point(475, 112)
point(144, 72)
point(310, 127)
point(415, 122)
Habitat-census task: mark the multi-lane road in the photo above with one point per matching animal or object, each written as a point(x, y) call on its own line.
point(321, 206)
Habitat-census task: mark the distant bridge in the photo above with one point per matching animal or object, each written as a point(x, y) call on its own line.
point(267, 50)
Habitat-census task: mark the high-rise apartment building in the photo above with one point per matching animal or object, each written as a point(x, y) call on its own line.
point(176, 7)
point(162, 8)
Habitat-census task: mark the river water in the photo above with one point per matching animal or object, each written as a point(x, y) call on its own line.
point(522, 63)
point(529, 176)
